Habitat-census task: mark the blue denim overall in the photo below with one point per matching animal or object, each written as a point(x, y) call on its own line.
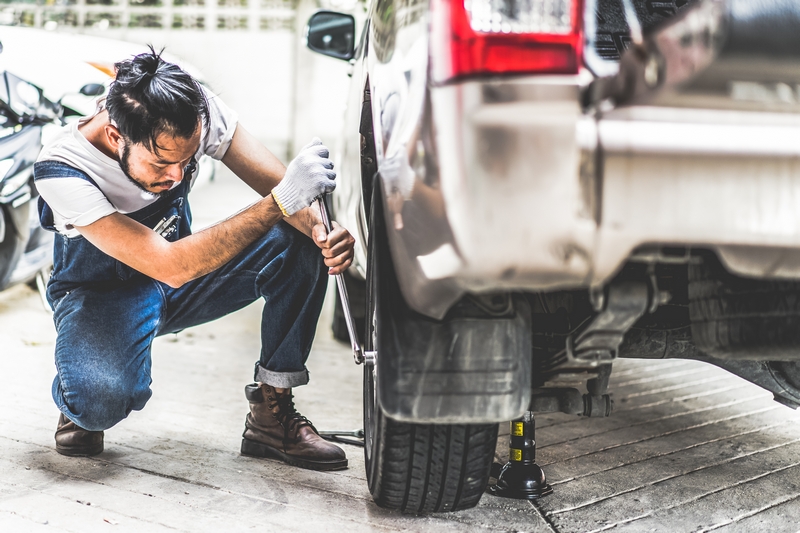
point(107, 314)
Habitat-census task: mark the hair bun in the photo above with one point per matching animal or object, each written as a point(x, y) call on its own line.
point(150, 67)
point(146, 65)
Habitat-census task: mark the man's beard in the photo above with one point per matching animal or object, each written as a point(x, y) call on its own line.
point(124, 165)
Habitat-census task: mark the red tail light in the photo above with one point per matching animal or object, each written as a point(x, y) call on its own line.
point(491, 37)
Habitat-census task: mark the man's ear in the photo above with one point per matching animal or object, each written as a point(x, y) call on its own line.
point(113, 136)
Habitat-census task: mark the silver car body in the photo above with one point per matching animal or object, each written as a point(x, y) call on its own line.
point(516, 187)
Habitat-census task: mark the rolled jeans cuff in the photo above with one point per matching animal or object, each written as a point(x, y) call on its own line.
point(282, 380)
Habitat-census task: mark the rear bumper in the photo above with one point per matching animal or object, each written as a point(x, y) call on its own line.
point(539, 196)
point(724, 180)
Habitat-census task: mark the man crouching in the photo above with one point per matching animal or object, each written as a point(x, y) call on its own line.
point(114, 188)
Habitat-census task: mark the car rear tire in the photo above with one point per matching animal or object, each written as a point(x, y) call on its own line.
point(415, 468)
point(740, 317)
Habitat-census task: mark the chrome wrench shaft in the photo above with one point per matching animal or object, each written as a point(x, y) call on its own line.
point(358, 353)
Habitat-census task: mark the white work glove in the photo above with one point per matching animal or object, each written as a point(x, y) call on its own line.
point(308, 176)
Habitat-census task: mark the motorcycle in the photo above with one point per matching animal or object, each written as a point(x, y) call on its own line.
point(25, 248)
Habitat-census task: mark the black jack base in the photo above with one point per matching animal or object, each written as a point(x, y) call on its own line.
point(521, 478)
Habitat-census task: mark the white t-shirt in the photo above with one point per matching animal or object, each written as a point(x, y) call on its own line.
point(77, 202)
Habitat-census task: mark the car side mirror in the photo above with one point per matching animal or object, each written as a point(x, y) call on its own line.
point(92, 89)
point(332, 34)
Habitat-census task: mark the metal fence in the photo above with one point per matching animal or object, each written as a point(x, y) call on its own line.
point(209, 15)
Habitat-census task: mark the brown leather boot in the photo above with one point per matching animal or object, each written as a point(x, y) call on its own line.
point(275, 429)
point(75, 441)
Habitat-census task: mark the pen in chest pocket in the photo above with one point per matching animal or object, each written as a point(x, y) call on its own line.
point(165, 228)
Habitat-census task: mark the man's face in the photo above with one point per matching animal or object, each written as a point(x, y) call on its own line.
point(158, 172)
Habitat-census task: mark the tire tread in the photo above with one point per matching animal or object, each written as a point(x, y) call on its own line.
point(431, 468)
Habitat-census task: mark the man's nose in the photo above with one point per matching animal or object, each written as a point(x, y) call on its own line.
point(174, 173)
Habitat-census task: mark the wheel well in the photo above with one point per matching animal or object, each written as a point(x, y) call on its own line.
point(369, 160)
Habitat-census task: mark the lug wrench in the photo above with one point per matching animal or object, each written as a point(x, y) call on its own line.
point(355, 437)
point(359, 355)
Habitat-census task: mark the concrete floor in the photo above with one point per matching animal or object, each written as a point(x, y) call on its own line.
point(690, 447)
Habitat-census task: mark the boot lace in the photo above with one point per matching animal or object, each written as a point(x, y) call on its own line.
point(287, 415)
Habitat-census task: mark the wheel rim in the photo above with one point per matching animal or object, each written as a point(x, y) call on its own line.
point(371, 406)
point(370, 402)
point(370, 370)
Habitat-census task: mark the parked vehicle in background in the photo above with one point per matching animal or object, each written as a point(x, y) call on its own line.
point(48, 79)
point(75, 70)
point(25, 248)
point(538, 188)
point(61, 63)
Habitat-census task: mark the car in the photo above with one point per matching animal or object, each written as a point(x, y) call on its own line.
point(540, 188)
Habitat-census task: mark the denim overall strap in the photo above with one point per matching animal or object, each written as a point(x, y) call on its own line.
point(53, 169)
point(77, 262)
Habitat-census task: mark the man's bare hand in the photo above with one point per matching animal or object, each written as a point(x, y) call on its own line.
point(337, 247)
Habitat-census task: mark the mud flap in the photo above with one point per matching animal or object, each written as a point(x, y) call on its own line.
point(472, 367)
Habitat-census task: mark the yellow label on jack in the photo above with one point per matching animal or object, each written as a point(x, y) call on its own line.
point(516, 455)
point(517, 429)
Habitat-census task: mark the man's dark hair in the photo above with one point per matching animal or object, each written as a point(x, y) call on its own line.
point(150, 96)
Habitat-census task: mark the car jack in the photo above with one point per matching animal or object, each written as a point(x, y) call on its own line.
point(521, 478)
